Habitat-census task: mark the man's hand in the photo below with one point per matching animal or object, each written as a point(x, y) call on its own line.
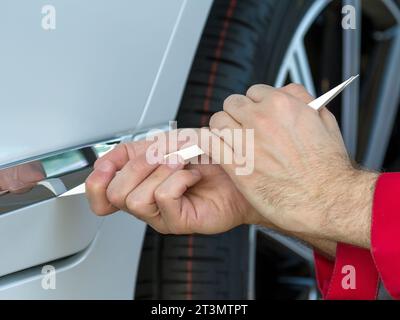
point(170, 198)
point(303, 180)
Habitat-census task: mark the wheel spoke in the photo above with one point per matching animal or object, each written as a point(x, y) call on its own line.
point(303, 65)
point(251, 289)
point(298, 40)
point(351, 67)
point(393, 8)
point(294, 71)
point(386, 108)
point(298, 68)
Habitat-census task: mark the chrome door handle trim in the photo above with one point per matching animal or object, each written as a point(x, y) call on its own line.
point(65, 177)
point(55, 185)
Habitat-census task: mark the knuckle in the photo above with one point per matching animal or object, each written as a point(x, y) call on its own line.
point(279, 99)
point(183, 176)
point(114, 197)
point(234, 100)
point(331, 116)
point(256, 90)
point(99, 210)
point(94, 186)
point(129, 147)
point(161, 195)
point(296, 88)
point(298, 91)
point(138, 215)
point(94, 209)
point(123, 146)
point(134, 205)
point(331, 120)
point(91, 184)
point(217, 119)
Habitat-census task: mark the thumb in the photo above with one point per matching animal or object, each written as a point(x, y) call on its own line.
point(168, 197)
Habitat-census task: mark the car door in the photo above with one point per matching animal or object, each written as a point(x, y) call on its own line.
point(78, 77)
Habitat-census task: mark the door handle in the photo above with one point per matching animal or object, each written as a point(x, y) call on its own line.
point(50, 229)
point(39, 180)
point(31, 217)
point(48, 177)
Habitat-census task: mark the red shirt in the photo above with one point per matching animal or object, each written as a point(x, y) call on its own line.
point(356, 273)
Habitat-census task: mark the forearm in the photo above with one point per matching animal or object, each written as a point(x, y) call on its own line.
point(325, 247)
point(348, 219)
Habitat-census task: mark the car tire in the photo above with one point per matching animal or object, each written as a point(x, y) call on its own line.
point(242, 44)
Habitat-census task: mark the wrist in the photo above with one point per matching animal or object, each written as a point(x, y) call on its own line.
point(254, 217)
point(348, 218)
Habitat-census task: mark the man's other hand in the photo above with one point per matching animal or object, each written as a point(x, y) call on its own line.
point(303, 181)
point(170, 197)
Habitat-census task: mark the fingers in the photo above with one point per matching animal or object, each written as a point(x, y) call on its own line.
point(124, 152)
point(224, 124)
point(276, 104)
point(237, 107)
point(222, 120)
point(96, 187)
point(106, 190)
point(279, 97)
point(158, 224)
point(275, 98)
point(118, 157)
point(169, 200)
point(120, 171)
point(330, 122)
point(140, 201)
point(259, 92)
point(131, 175)
point(299, 92)
point(328, 119)
point(218, 150)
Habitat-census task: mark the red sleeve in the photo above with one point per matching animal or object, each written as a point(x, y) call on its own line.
point(385, 231)
point(352, 276)
point(323, 272)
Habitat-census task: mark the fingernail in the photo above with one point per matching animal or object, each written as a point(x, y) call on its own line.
point(105, 166)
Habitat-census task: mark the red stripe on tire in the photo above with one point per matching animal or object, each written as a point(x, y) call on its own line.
point(217, 56)
point(206, 107)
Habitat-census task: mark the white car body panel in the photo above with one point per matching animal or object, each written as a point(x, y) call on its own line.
point(105, 270)
point(110, 69)
point(104, 56)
